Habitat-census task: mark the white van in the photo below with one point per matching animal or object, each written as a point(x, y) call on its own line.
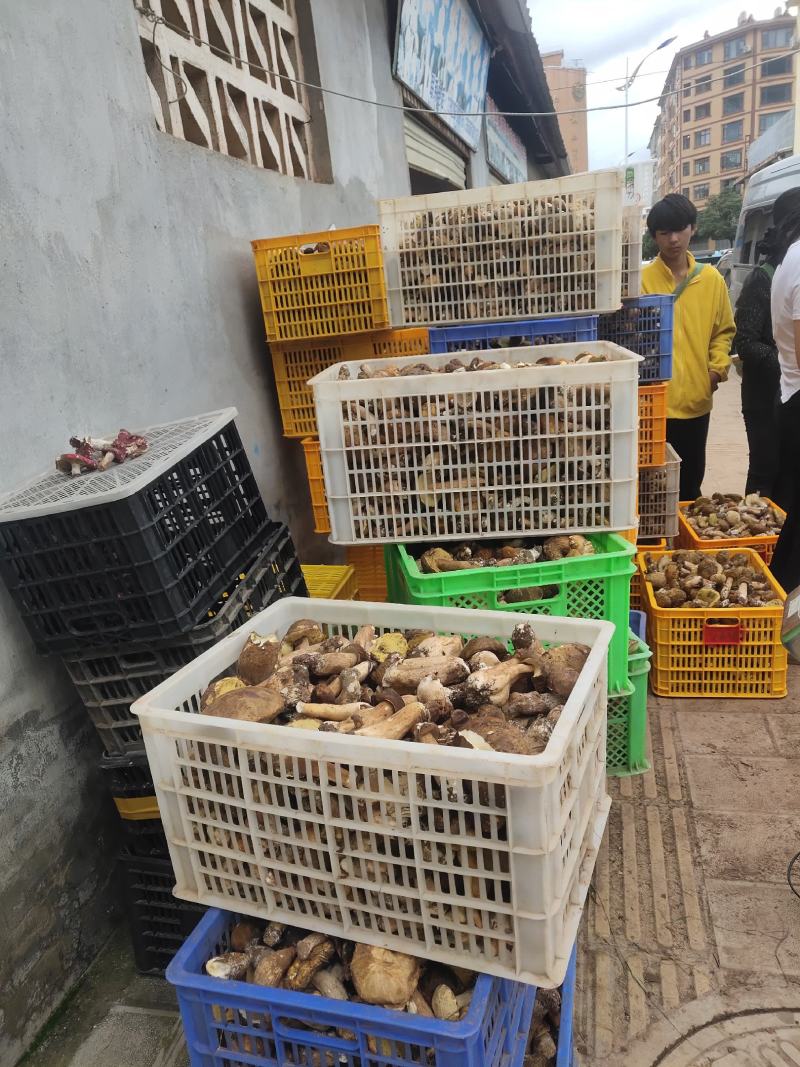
point(763, 189)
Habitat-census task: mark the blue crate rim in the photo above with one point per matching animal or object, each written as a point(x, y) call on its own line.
point(584, 328)
point(274, 999)
point(564, 1053)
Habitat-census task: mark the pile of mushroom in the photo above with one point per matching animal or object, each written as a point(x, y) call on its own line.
point(97, 454)
point(287, 958)
point(284, 957)
point(533, 255)
point(458, 366)
point(708, 580)
point(466, 460)
point(729, 515)
point(415, 685)
point(472, 555)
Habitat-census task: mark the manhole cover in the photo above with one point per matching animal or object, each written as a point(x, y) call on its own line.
point(760, 1039)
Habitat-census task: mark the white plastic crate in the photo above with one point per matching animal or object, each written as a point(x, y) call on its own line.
point(519, 251)
point(52, 492)
point(659, 490)
point(373, 847)
point(631, 251)
point(528, 451)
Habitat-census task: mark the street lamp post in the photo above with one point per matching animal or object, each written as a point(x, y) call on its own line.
point(631, 78)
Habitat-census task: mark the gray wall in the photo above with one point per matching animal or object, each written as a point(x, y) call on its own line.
point(128, 296)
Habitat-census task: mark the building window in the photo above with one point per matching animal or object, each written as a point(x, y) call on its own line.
point(687, 141)
point(735, 48)
point(701, 192)
point(200, 94)
point(727, 183)
point(687, 114)
point(732, 131)
point(731, 160)
point(773, 67)
point(702, 111)
point(686, 169)
point(702, 85)
point(776, 94)
point(687, 89)
point(776, 38)
point(703, 57)
point(733, 76)
point(765, 122)
point(703, 165)
point(702, 138)
point(687, 62)
point(733, 104)
point(685, 193)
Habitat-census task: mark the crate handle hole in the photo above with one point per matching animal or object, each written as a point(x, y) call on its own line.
point(530, 594)
point(722, 632)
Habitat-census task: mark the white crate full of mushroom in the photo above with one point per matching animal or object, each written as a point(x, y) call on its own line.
point(428, 780)
point(466, 445)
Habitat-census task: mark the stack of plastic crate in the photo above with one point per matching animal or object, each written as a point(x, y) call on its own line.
point(278, 853)
point(324, 301)
point(128, 574)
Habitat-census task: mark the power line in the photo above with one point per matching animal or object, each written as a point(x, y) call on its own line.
point(152, 16)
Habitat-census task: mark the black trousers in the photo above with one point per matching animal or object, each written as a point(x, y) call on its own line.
point(785, 563)
point(762, 444)
point(688, 437)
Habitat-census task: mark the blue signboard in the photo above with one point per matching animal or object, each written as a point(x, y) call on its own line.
point(443, 58)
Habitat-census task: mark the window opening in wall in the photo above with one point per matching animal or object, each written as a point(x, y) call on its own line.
point(732, 131)
point(702, 138)
point(207, 86)
point(733, 76)
point(776, 94)
point(732, 104)
point(769, 120)
point(770, 68)
point(702, 166)
point(702, 85)
point(702, 111)
point(730, 160)
point(735, 48)
point(776, 38)
point(701, 192)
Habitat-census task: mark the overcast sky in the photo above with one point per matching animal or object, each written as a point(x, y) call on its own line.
point(599, 35)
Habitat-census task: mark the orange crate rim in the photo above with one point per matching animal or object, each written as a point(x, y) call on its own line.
point(653, 424)
point(763, 544)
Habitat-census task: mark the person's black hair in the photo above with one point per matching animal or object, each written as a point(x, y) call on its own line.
point(786, 216)
point(767, 247)
point(673, 213)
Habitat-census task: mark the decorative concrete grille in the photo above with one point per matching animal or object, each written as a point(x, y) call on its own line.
point(206, 84)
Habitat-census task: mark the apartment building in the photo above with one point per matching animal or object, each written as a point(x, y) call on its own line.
point(567, 84)
point(720, 94)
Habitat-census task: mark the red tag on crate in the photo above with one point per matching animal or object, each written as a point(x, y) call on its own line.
point(723, 632)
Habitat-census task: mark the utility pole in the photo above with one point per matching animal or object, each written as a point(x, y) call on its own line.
point(630, 79)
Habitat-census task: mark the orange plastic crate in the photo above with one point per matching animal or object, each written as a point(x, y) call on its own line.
point(716, 652)
point(367, 562)
point(322, 284)
point(316, 483)
point(688, 538)
point(653, 424)
point(294, 364)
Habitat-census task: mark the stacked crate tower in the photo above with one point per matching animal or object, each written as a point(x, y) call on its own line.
point(127, 575)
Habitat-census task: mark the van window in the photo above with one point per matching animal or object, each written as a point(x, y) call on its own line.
point(755, 226)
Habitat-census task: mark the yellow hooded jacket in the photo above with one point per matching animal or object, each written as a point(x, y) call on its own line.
point(703, 330)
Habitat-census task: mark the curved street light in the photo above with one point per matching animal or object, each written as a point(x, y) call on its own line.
point(631, 78)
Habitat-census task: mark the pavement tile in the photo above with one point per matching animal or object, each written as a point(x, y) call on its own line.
point(757, 926)
point(745, 845)
point(726, 732)
point(785, 729)
point(742, 783)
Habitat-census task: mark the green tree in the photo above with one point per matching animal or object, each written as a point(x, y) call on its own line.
point(649, 247)
point(720, 218)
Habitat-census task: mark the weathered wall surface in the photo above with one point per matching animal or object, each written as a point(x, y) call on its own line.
point(128, 296)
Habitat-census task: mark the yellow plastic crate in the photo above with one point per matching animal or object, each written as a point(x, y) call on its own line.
point(316, 484)
point(689, 538)
point(330, 583)
point(653, 424)
point(294, 364)
point(367, 562)
point(138, 808)
point(716, 652)
point(322, 284)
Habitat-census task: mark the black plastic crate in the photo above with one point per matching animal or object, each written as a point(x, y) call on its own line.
point(139, 551)
point(144, 838)
point(110, 679)
point(128, 777)
point(159, 923)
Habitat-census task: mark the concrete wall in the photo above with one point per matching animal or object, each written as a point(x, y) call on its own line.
point(128, 296)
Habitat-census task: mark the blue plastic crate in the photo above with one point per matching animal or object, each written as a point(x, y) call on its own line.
point(638, 623)
point(481, 336)
point(644, 326)
point(236, 1024)
point(565, 1056)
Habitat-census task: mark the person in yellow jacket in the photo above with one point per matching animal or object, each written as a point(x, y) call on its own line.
point(703, 329)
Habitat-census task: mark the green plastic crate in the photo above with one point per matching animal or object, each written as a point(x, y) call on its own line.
point(626, 743)
point(590, 587)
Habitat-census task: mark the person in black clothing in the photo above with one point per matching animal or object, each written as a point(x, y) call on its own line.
point(760, 370)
